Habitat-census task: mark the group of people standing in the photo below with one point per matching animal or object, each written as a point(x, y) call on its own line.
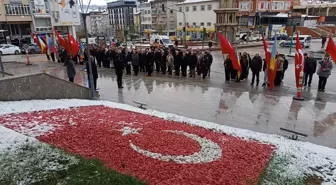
point(162, 60)
point(257, 64)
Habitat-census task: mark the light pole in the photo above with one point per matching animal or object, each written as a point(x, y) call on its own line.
point(84, 14)
point(293, 30)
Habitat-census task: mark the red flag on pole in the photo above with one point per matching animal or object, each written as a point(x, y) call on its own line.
point(299, 60)
point(62, 41)
point(228, 49)
point(331, 49)
point(270, 74)
point(37, 42)
point(73, 45)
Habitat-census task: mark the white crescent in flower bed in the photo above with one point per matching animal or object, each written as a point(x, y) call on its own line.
point(209, 152)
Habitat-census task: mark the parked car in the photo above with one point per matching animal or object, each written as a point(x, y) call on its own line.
point(8, 49)
point(32, 49)
point(305, 41)
point(281, 36)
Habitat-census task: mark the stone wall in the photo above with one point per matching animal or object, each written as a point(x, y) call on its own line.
point(40, 86)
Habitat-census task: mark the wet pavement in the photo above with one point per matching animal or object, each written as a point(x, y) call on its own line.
point(237, 105)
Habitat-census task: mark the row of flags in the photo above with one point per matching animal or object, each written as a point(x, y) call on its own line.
point(270, 57)
point(70, 44)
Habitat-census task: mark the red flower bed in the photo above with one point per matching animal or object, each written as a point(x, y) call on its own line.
point(152, 149)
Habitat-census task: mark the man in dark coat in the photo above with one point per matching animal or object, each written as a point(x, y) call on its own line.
point(149, 61)
point(210, 59)
point(94, 71)
point(177, 62)
point(228, 68)
point(256, 66)
point(142, 61)
point(192, 63)
point(119, 67)
point(157, 59)
point(163, 61)
point(309, 69)
point(204, 65)
point(128, 62)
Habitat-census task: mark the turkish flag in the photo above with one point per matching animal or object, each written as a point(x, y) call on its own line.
point(270, 74)
point(228, 49)
point(73, 45)
point(331, 49)
point(299, 60)
point(61, 40)
point(152, 149)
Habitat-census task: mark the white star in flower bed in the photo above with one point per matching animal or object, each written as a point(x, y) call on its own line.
point(128, 130)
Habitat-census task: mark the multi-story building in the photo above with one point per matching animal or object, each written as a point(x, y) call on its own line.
point(164, 22)
point(121, 13)
point(15, 21)
point(199, 14)
point(97, 23)
point(262, 12)
point(144, 7)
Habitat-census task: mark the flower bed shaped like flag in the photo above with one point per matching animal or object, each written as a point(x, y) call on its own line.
point(155, 150)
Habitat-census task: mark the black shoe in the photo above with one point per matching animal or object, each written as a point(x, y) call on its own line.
point(120, 87)
point(251, 83)
point(257, 84)
point(264, 84)
point(309, 86)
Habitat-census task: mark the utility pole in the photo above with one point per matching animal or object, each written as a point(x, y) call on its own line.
point(84, 14)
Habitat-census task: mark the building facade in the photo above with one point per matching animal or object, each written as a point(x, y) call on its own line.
point(145, 13)
point(15, 21)
point(199, 14)
point(121, 13)
point(97, 23)
point(164, 22)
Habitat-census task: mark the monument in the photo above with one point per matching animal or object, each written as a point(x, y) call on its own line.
point(226, 22)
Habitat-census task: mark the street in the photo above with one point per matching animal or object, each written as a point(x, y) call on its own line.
point(238, 105)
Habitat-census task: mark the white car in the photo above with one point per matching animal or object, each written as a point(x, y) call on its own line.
point(6, 49)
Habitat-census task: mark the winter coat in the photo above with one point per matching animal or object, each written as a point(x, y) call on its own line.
point(128, 57)
point(149, 58)
point(279, 64)
point(184, 60)
point(325, 68)
point(192, 60)
point(142, 59)
point(228, 64)
point(256, 64)
point(178, 60)
point(170, 60)
point(118, 62)
point(71, 71)
point(310, 65)
point(135, 59)
point(93, 68)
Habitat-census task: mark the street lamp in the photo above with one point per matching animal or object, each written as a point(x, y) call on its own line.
point(84, 14)
point(293, 31)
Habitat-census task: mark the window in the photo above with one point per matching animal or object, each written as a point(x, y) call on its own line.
point(149, 19)
point(171, 26)
point(194, 8)
point(209, 7)
point(17, 9)
point(202, 23)
point(180, 9)
point(202, 7)
point(244, 6)
point(180, 24)
point(148, 11)
point(187, 8)
point(209, 24)
point(263, 5)
point(171, 11)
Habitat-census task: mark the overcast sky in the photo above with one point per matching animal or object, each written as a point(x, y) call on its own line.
point(96, 2)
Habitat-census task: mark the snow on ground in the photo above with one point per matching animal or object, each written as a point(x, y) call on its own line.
point(25, 160)
point(304, 158)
